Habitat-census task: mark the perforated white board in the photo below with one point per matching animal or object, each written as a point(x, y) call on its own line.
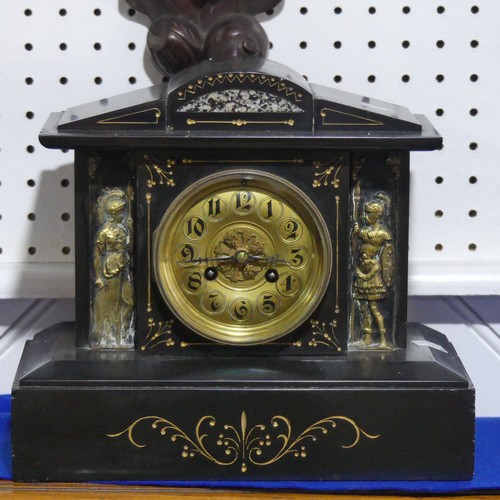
point(437, 57)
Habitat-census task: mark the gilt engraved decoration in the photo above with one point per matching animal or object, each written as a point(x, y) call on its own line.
point(159, 174)
point(159, 333)
point(323, 334)
point(273, 83)
point(242, 444)
point(327, 173)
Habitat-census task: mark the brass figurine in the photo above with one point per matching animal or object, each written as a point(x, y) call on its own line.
point(373, 271)
point(113, 298)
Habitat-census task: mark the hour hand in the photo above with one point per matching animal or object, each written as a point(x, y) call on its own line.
point(210, 259)
point(272, 260)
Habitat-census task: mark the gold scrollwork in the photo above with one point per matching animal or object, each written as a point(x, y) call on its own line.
point(157, 174)
point(327, 173)
point(244, 444)
point(158, 334)
point(324, 334)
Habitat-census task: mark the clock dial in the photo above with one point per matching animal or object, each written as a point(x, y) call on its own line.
point(242, 257)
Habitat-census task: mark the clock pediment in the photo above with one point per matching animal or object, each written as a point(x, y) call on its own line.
point(225, 96)
point(229, 96)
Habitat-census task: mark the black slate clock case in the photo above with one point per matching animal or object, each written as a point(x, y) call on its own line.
point(179, 406)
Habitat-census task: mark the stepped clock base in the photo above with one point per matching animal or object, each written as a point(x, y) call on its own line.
point(79, 415)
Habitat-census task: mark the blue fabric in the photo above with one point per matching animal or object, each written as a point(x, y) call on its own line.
point(486, 476)
point(5, 454)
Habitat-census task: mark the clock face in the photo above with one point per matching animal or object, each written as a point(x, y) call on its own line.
point(242, 257)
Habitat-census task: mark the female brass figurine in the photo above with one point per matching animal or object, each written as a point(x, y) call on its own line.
point(374, 270)
point(113, 294)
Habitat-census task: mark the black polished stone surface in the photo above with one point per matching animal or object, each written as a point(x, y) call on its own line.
point(409, 413)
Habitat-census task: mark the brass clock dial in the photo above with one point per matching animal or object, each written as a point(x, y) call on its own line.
point(242, 257)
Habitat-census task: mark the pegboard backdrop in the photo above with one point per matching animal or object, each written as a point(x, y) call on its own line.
point(437, 57)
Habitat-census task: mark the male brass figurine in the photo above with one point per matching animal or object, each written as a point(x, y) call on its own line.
point(374, 270)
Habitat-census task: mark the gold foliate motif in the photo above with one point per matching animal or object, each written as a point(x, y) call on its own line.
point(374, 270)
point(158, 334)
point(327, 173)
point(112, 319)
point(243, 249)
point(260, 445)
point(323, 334)
point(159, 174)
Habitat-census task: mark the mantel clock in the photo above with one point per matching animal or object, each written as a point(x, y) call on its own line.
point(241, 269)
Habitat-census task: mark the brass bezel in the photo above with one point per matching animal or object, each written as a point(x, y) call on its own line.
point(205, 324)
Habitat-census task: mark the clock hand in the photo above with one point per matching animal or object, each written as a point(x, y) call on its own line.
point(229, 258)
point(272, 260)
point(209, 259)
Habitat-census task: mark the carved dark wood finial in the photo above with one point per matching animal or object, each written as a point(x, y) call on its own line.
point(184, 32)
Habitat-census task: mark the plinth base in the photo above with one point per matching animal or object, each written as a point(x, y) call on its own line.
point(79, 415)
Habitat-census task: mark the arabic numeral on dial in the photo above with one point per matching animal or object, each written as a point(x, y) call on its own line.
point(195, 228)
point(268, 303)
point(290, 230)
point(213, 302)
point(243, 202)
point(289, 284)
point(297, 257)
point(186, 254)
point(241, 310)
point(194, 282)
point(270, 209)
point(215, 209)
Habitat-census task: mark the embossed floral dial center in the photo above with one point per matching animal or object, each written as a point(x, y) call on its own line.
point(241, 257)
point(245, 248)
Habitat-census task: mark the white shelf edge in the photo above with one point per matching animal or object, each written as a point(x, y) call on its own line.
point(32, 281)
